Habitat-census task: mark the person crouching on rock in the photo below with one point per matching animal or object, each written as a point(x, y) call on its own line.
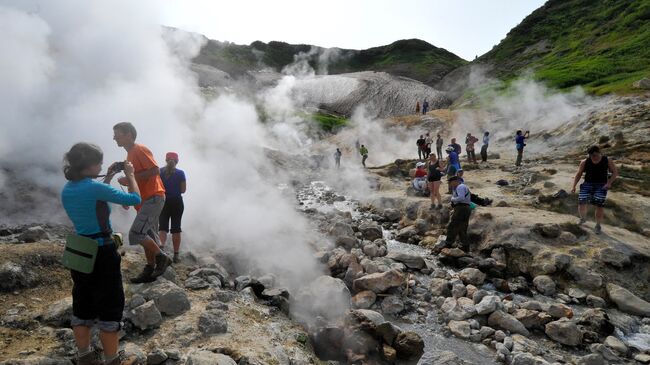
point(98, 295)
point(175, 185)
point(594, 189)
point(459, 221)
point(144, 230)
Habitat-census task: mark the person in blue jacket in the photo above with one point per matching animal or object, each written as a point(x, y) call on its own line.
point(97, 297)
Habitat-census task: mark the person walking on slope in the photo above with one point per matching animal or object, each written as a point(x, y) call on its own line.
point(417, 107)
point(439, 143)
point(98, 296)
point(175, 185)
point(425, 107)
point(421, 147)
point(484, 148)
point(470, 141)
point(459, 220)
point(428, 141)
point(337, 158)
point(520, 143)
point(144, 230)
point(596, 169)
point(434, 178)
point(364, 155)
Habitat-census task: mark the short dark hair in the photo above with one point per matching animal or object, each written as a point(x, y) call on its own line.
point(487, 133)
point(81, 156)
point(453, 178)
point(593, 149)
point(126, 127)
point(519, 132)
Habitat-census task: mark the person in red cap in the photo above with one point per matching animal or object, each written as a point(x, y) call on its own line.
point(175, 185)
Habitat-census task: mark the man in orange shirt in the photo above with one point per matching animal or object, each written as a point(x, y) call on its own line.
point(144, 230)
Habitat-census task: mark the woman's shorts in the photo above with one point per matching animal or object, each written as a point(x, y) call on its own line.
point(99, 295)
point(172, 210)
point(595, 193)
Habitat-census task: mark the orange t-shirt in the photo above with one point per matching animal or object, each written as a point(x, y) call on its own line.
point(142, 159)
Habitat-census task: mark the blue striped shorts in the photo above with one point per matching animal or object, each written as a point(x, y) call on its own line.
point(595, 193)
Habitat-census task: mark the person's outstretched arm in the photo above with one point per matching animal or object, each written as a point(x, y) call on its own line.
point(614, 170)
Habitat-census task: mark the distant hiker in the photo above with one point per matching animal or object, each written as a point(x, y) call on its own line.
point(456, 146)
point(459, 221)
point(337, 158)
point(425, 106)
point(470, 141)
point(421, 143)
point(175, 185)
point(97, 297)
point(520, 143)
point(357, 145)
point(439, 143)
point(484, 148)
point(453, 164)
point(417, 107)
point(434, 178)
point(364, 155)
point(420, 178)
point(144, 230)
point(428, 141)
point(596, 168)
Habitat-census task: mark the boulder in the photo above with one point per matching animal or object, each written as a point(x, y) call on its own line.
point(472, 276)
point(439, 287)
point(643, 83)
point(488, 304)
point(614, 258)
point(596, 301)
point(156, 357)
point(585, 278)
point(392, 305)
point(404, 234)
point(33, 234)
point(460, 329)
point(203, 357)
point(564, 331)
point(145, 316)
point(370, 231)
point(591, 359)
point(364, 299)
point(525, 358)
point(409, 346)
point(559, 310)
point(59, 313)
point(14, 276)
point(505, 321)
point(212, 322)
point(616, 345)
point(411, 261)
point(348, 242)
point(341, 229)
point(360, 315)
point(628, 302)
point(326, 296)
point(458, 309)
point(392, 215)
point(544, 284)
point(196, 283)
point(169, 298)
point(379, 282)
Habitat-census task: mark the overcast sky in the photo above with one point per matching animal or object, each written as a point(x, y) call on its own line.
point(464, 27)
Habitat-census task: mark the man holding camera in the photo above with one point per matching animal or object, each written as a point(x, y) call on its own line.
point(520, 141)
point(144, 230)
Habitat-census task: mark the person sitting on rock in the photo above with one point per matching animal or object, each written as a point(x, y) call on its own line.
point(459, 221)
point(596, 168)
point(420, 178)
point(98, 295)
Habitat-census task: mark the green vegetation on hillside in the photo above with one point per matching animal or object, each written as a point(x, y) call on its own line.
point(411, 58)
point(602, 45)
point(329, 122)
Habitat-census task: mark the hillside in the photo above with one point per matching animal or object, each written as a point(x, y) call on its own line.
point(601, 45)
point(411, 58)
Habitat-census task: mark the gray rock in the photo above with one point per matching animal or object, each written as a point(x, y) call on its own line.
point(33, 234)
point(224, 296)
point(157, 356)
point(616, 345)
point(486, 332)
point(202, 357)
point(439, 287)
point(409, 345)
point(59, 313)
point(347, 242)
point(544, 285)
point(411, 261)
point(371, 231)
point(503, 320)
point(591, 359)
point(136, 301)
point(628, 302)
point(217, 305)
point(524, 358)
point(326, 296)
point(644, 83)
point(564, 331)
point(472, 276)
point(559, 310)
point(145, 316)
point(460, 329)
point(341, 229)
point(371, 250)
point(499, 336)
point(585, 278)
point(364, 299)
point(392, 305)
point(196, 283)
point(458, 290)
point(369, 315)
point(392, 215)
point(134, 354)
point(596, 302)
point(169, 298)
point(608, 354)
point(642, 358)
point(213, 270)
point(14, 276)
point(488, 305)
point(212, 322)
point(379, 282)
point(577, 293)
point(615, 258)
point(404, 234)
point(458, 309)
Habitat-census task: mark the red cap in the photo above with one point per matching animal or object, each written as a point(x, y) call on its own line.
point(171, 156)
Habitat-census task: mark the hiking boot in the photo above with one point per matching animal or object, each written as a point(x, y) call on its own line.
point(144, 277)
point(88, 359)
point(582, 221)
point(162, 263)
point(597, 228)
point(176, 258)
point(116, 361)
point(439, 206)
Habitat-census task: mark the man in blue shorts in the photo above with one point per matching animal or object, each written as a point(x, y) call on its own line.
point(596, 169)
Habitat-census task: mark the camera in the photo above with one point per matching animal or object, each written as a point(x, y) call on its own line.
point(117, 167)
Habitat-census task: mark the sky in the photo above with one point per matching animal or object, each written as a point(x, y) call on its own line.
point(467, 28)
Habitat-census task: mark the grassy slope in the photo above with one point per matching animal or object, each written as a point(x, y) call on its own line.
point(411, 58)
point(603, 45)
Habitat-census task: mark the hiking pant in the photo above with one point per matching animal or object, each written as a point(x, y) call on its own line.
point(439, 152)
point(471, 156)
point(338, 162)
point(520, 154)
point(363, 160)
point(421, 153)
point(484, 153)
point(458, 223)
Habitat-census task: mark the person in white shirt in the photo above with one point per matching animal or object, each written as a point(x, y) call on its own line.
point(459, 221)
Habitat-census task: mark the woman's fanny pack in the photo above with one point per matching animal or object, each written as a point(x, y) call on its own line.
point(80, 253)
